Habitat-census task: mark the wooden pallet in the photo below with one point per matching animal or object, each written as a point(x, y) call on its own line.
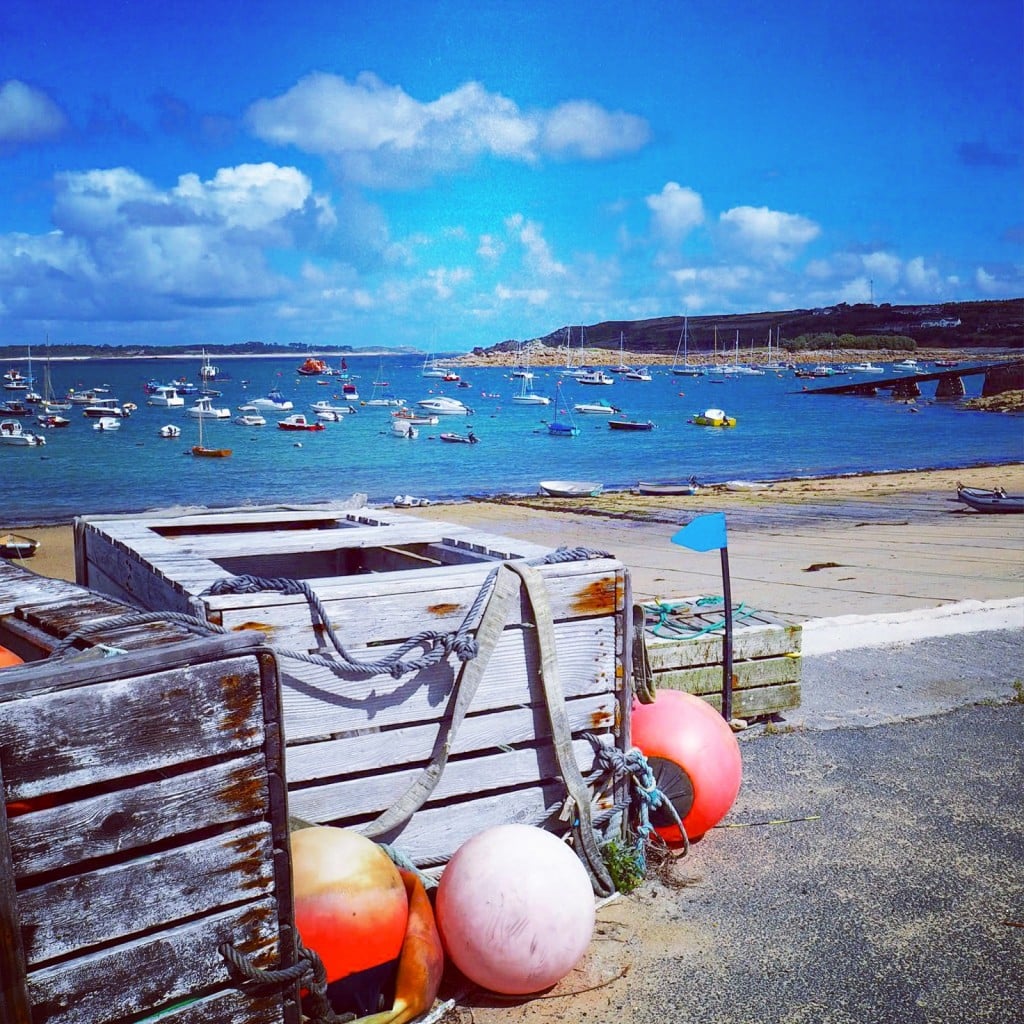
point(687, 655)
point(356, 743)
point(143, 820)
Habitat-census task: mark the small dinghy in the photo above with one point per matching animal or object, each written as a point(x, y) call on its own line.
point(12, 545)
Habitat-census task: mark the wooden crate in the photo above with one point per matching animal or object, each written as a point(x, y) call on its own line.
point(356, 743)
point(688, 656)
point(143, 820)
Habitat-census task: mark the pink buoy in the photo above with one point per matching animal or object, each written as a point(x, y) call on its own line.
point(695, 759)
point(515, 909)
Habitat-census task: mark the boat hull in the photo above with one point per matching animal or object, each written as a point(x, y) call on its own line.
point(570, 488)
point(994, 501)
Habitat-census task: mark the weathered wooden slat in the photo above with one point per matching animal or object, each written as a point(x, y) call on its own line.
point(748, 642)
point(393, 610)
point(19, 585)
point(127, 726)
point(248, 1007)
point(155, 971)
point(372, 751)
point(110, 902)
point(758, 701)
point(358, 797)
point(14, 1001)
point(138, 816)
point(318, 703)
point(708, 678)
point(435, 833)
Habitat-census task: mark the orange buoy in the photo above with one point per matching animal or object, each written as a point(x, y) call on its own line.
point(9, 658)
point(695, 759)
point(351, 907)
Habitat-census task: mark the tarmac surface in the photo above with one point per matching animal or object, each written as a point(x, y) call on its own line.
point(872, 868)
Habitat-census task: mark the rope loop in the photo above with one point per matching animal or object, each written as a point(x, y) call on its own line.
point(631, 764)
point(308, 970)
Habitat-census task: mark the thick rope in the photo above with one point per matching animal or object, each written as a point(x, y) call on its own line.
point(308, 969)
point(198, 626)
point(632, 764)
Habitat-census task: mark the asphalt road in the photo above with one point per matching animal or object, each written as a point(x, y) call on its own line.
point(891, 887)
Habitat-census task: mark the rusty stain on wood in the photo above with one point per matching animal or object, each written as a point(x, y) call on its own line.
point(247, 793)
point(239, 702)
point(262, 627)
point(597, 597)
point(446, 608)
point(601, 719)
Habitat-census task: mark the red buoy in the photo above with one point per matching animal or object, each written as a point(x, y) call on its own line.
point(351, 907)
point(9, 658)
point(695, 759)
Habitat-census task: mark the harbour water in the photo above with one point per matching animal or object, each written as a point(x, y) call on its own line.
point(782, 432)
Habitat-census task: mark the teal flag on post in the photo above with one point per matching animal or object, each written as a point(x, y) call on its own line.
point(705, 533)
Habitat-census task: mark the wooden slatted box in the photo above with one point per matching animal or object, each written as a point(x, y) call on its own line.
point(355, 744)
point(143, 822)
point(687, 655)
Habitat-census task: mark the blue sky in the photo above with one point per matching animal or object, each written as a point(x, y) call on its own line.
point(461, 172)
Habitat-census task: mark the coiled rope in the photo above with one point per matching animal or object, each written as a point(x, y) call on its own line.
point(668, 624)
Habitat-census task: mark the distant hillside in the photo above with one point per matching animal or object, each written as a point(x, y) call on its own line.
point(952, 325)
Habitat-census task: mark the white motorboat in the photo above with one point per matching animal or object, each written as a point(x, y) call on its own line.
point(907, 364)
point(206, 410)
point(595, 377)
point(107, 423)
point(323, 406)
point(404, 428)
point(570, 488)
point(170, 430)
point(106, 407)
point(444, 406)
point(601, 408)
point(273, 401)
point(250, 419)
point(11, 433)
point(640, 373)
point(866, 367)
point(166, 396)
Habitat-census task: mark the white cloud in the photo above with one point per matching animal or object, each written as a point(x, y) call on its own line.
point(1007, 280)
point(676, 211)
point(490, 248)
point(921, 278)
point(378, 135)
point(125, 247)
point(444, 280)
point(537, 258)
point(27, 114)
point(768, 234)
point(582, 128)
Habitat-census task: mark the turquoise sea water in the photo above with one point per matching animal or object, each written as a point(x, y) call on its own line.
point(781, 433)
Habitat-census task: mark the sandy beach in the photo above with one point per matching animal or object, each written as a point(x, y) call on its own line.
point(801, 549)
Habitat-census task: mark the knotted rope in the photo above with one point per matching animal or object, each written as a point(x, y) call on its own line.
point(619, 766)
point(308, 970)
